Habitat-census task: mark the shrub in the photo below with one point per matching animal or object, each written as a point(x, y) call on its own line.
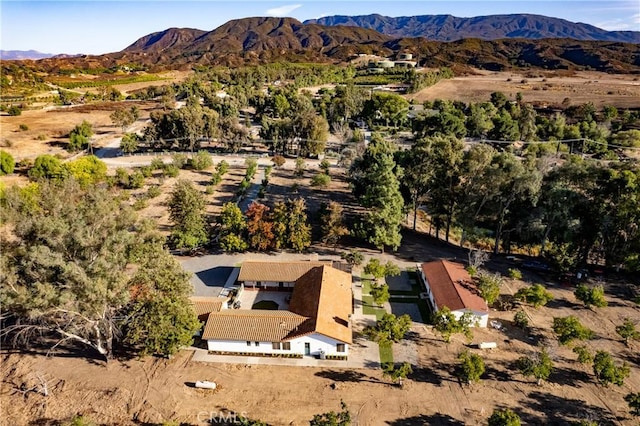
point(321, 180)
point(179, 160)
point(278, 160)
point(146, 171)
point(515, 274)
point(23, 127)
point(7, 163)
point(201, 161)
point(157, 164)
point(136, 180)
point(154, 191)
point(140, 204)
point(14, 110)
point(222, 168)
point(171, 170)
point(521, 320)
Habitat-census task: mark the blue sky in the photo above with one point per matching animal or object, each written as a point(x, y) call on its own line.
point(96, 27)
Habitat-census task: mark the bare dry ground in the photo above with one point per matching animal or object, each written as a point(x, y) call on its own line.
point(150, 390)
point(546, 87)
point(48, 129)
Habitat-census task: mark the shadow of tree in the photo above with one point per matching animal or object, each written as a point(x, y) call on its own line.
point(437, 419)
point(562, 411)
point(346, 376)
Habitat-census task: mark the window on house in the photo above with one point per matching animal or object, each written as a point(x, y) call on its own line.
point(286, 346)
point(257, 343)
point(248, 343)
point(275, 345)
point(340, 347)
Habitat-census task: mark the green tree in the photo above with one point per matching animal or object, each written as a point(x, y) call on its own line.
point(397, 373)
point(389, 329)
point(124, 118)
point(341, 418)
point(290, 225)
point(186, 211)
point(232, 228)
point(584, 356)
point(521, 320)
point(633, 399)
point(48, 167)
point(87, 170)
point(79, 137)
point(300, 167)
point(325, 166)
point(628, 331)
point(569, 328)
point(161, 320)
point(375, 182)
point(7, 163)
point(504, 417)
point(606, 371)
point(353, 257)
point(332, 223)
point(540, 366)
point(471, 367)
point(201, 160)
point(379, 271)
point(129, 143)
point(446, 324)
point(591, 296)
point(380, 293)
point(68, 269)
point(535, 295)
point(489, 286)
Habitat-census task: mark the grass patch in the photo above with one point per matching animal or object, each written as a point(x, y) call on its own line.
point(268, 305)
point(370, 308)
point(386, 354)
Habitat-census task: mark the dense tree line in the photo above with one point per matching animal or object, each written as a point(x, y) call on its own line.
point(81, 267)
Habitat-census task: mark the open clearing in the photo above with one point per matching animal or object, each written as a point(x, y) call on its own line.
point(544, 87)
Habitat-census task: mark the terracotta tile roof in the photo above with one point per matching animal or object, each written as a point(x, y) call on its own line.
point(205, 305)
point(253, 325)
point(324, 295)
point(452, 286)
point(275, 271)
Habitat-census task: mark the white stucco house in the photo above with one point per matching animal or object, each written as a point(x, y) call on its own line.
point(449, 284)
point(316, 323)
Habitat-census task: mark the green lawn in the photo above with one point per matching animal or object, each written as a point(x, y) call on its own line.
point(370, 308)
point(386, 354)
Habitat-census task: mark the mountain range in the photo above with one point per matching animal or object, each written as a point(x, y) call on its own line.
point(262, 40)
point(16, 55)
point(492, 27)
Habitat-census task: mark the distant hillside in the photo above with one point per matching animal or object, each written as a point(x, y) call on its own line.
point(265, 40)
point(492, 27)
point(15, 55)
point(166, 39)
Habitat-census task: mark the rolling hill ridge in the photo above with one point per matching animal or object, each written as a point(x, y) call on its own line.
point(492, 27)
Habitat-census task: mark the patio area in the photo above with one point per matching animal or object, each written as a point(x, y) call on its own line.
point(265, 299)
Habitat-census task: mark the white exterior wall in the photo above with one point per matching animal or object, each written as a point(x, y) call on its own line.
point(270, 284)
point(481, 317)
point(317, 342)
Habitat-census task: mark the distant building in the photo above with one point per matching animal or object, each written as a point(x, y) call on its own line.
point(449, 284)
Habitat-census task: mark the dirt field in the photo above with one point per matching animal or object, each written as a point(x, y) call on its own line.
point(152, 390)
point(621, 91)
point(48, 129)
